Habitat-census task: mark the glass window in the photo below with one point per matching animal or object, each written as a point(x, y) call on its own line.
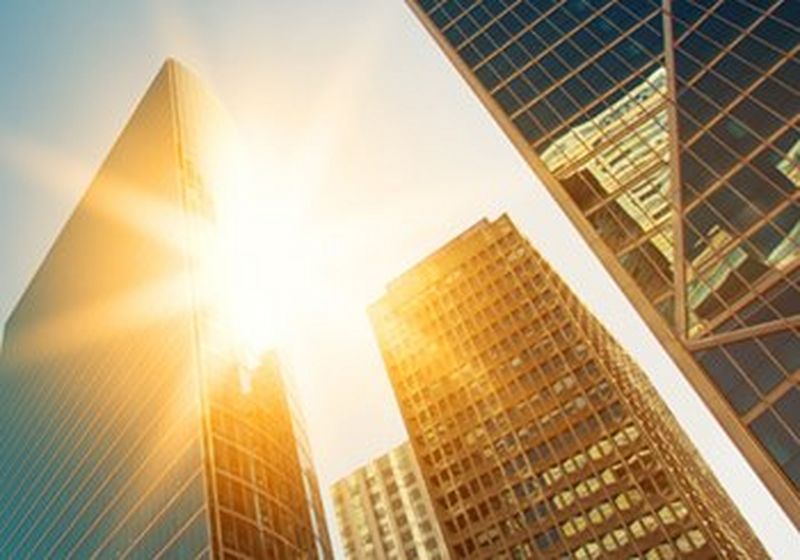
point(721, 370)
point(785, 348)
point(788, 408)
point(778, 98)
point(774, 437)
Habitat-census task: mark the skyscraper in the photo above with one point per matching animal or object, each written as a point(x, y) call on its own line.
point(266, 492)
point(537, 435)
point(384, 511)
point(668, 133)
point(129, 427)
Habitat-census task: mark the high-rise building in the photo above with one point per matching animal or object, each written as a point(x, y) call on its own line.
point(266, 493)
point(668, 132)
point(536, 434)
point(127, 426)
point(384, 511)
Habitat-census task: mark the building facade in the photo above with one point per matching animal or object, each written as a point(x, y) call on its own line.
point(384, 511)
point(265, 487)
point(537, 435)
point(120, 434)
point(667, 130)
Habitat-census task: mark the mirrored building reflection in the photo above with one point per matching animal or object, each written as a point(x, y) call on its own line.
point(122, 434)
point(668, 132)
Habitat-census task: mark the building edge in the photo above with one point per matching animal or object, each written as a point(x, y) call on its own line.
point(772, 479)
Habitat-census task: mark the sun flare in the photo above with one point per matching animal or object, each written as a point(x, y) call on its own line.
point(262, 254)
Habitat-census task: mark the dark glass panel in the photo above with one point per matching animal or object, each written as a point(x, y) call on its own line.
point(468, 26)
point(755, 117)
point(597, 80)
point(785, 348)
point(507, 101)
point(736, 211)
point(553, 66)
point(484, 45)
point(587, 42)
point(730, 382)
point(716, 90)
point(603, 30)
point(735, 136)
point(686, 68)
point(498, 34)
point(777, 34)
point(734, 70)
point(774, 437)
point(562, 104)
point(717, 30)
point(695, 176)
point(578, 91)
point(757, 366)
point(529, 129)
point(649, 37)
point(753, 188)
point(512, 23)
point(756, 53)
point(778, 98)
point(713, 154)
point(501, 65)
point(545, 116)
point(788, 408)
point(570, 55)
point(792, 470)
point(789, 73)
point(538, 78)
point(547, 32)
point(532, 44)
point(737, 12)
point(522, 89)
point(470, 55)
point(700, 49)
point(487, 77)
point(455, 36)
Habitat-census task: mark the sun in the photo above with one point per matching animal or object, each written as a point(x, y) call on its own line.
point(262, 258)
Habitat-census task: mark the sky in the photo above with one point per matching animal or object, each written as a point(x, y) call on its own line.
point(373, 153)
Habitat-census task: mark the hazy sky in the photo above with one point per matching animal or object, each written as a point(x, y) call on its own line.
point(375, 154)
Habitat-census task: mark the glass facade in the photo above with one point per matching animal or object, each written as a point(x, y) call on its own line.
point(108, 359)
point(267, 494)
point(537, 435)
point(384, 511)
point(668, 131)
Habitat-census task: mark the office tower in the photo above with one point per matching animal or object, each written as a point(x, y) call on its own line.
point(384, 511)
point(120, 432)
point(667, 130)
point(536, 434)
point(268, 498)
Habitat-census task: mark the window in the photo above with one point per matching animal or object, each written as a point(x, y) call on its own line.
point(774, 437)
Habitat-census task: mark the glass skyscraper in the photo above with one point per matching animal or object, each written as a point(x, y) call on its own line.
point(384, 511)
point(536, 434)
point(668, 133)
point(128, 428)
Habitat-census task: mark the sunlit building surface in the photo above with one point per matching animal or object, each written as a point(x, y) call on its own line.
point(668, 132)
point(267, 493)
point(127, 427)
point(384, 511)
point(537, 435)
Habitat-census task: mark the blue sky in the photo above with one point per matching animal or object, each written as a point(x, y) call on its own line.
point(399, 157)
